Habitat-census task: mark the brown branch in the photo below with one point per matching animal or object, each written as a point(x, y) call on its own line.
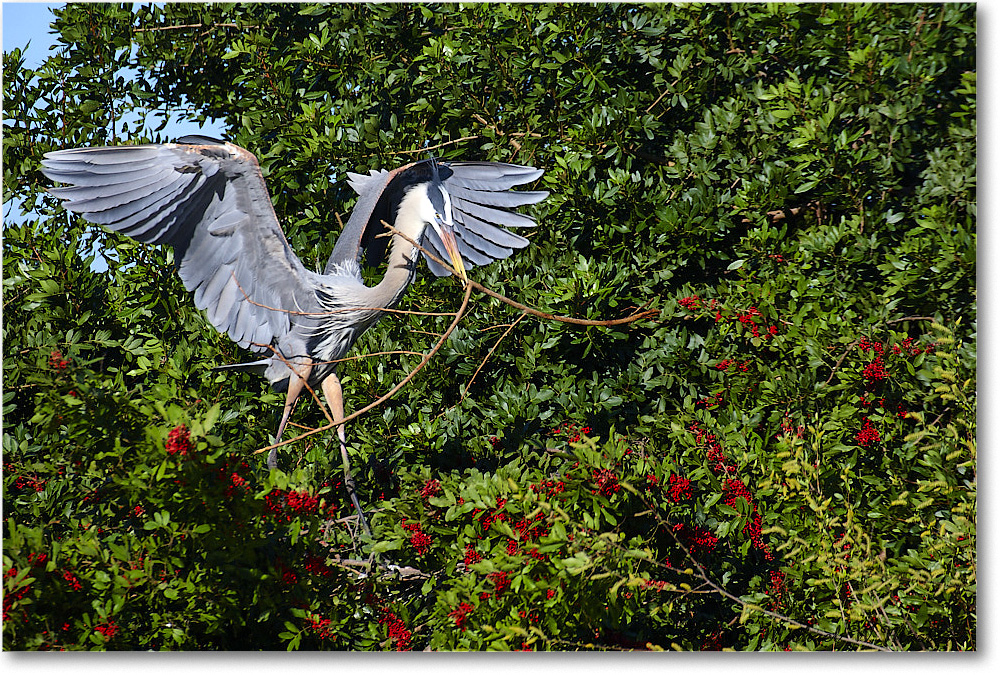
point(434, 147)
point(636, 316)
point(910, 318)
point(660, 97)
point(843, 356)
point(190, 25)
point(492, 349)
point(394, 352)
point(423, 362)
point(305, 382)
point(331, 312)
point(641, 314)
point(781, 214)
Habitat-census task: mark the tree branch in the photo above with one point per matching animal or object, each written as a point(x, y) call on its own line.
point(636, 316)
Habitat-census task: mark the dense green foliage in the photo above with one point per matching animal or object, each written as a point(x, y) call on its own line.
point(784, 458)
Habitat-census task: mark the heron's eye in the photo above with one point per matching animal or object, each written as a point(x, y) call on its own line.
point(437, 215)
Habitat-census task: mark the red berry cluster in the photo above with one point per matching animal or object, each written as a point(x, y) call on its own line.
point(695, 539)
point(501, 582)
point(237, 481)
point(717, 459)
point(419, 540)
point(57, 362)
point(531, 615)
point(741, 366)
point(287, 574)
point(735, 489)
point(431, 488)
point(874, 373)
point(679, 490)
point(489, 517)
point(788, 429)
point(751, 318)
point(528, 530)
point(108, 629)
point(72, 581)
point(179, 441)
point(316, 565)
point(910, 348)
point(398, 633)
point(876, 369)
point(321, 626)
point(777, 585)
point(868, 435)
point(36, 560)
point(747, 319)
point(709, 401)
point(472, 556)
point(607, 482)
point(691, 302)
point(10, 597)
point(460, 613)
point(283, 505)
point(548, 486)
point(32, 483)
point(657, 584)
point(301, 501)
point(571, 431)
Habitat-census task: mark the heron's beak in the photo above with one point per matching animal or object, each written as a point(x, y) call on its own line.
point(448, 237)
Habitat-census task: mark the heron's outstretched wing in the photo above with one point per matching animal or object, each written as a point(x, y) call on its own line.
point(481, 198)
point(208, 200)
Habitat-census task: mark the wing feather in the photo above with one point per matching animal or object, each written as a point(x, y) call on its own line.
point(481, 196)
point(482, 203)
point(208, 200)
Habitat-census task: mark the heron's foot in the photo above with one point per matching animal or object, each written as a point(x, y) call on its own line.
point(361, 513)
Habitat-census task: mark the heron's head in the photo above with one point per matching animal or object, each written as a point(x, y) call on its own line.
point(435, 210)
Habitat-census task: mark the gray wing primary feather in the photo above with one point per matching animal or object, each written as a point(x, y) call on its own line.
point(208, 200)
point(481, 196)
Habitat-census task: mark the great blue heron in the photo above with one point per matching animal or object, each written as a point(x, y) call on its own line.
point(207, 198)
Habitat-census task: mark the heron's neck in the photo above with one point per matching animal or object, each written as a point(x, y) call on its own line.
point(402, 258)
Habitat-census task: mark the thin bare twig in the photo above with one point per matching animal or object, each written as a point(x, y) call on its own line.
point(434, 147)
point(492, 349)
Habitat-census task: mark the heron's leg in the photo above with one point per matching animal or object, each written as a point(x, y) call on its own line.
point(296, 382)
point(334, 394)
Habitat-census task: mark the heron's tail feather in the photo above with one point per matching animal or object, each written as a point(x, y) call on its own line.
point(252, 367)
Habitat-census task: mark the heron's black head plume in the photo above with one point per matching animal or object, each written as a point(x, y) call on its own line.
point(436, 189)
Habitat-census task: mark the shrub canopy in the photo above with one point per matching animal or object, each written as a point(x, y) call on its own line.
point(785, 458)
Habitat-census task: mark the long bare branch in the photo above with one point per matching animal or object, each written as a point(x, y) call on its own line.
point(635, 316)
point(435, 147)
point(190, 25)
